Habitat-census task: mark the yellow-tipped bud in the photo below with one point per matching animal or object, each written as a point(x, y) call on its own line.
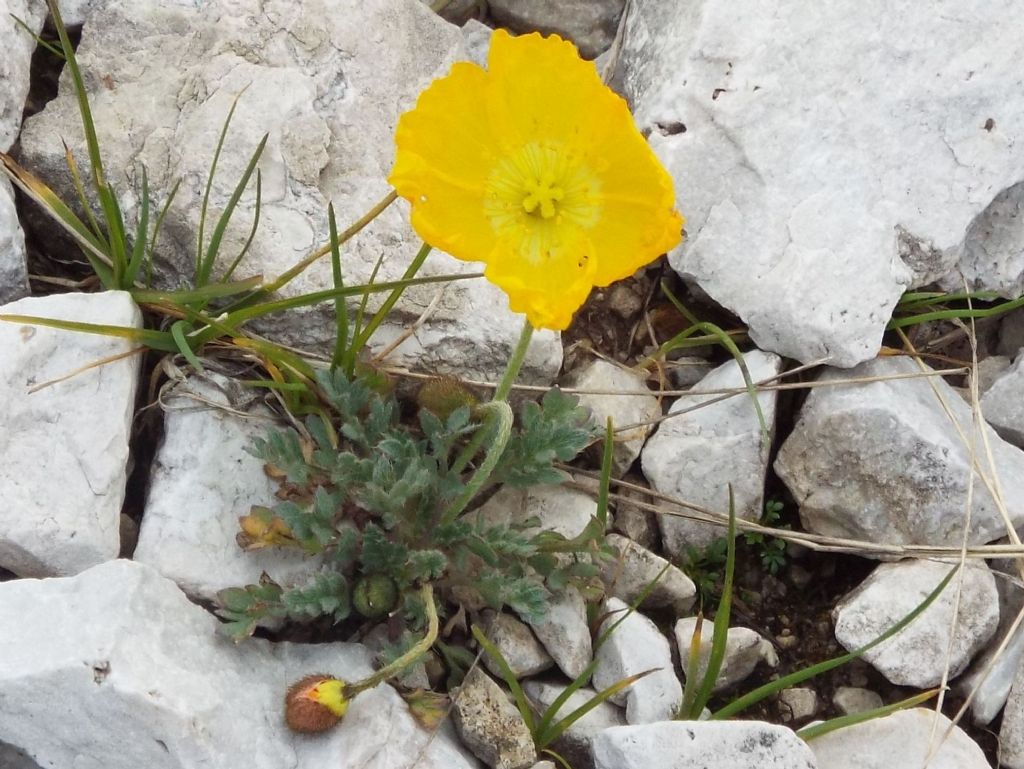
point(315, 703)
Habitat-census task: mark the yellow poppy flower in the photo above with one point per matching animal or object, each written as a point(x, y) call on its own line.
point(536, 168)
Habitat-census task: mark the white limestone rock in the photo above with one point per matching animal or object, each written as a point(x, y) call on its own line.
point(1011, 733)
point(990, 686)
point(13, 270)
point(826, 161)
point(315, 80)
point(1003, 403)
point(797, 704)
point(707, 744)
point(745, 649)
point(918, 654)
point(883, 462)
point(624, 410)
point(637, 568)
point(203, 479)
point(565, 633)
point(695, 456)
point(575, 744)
point(117, 669)
point(64, 448)
point(635, 646)
point(853, 699)
point(17, 45)
point(993, 249)
point(590, 24)
point(490, 725)
point(557, 508)
point(905, 738)
point(525, 655)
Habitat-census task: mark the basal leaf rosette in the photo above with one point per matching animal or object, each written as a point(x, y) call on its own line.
point(536, 168)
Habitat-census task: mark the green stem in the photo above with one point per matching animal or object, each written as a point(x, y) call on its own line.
point(514, 363)
point(407, 659)
point(364, 335)
point(499, 414)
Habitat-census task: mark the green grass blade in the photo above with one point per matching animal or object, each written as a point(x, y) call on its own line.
point(139, 247)
point(758, 694)
point(84, 110)
point(692, 670)
point(95, 249)
point(204, 207)
point(557, 729)
point(155, 340)
point(248, 313)
point(962, 314)
point(510, 678)
point(39, 40)
point(722, 616)
point(83, 199)
point(108, 201)
point(196, 295)
point(156, 232)
point(809, 733)
point(206, 266)
point(178, 334)
point(606, 473)
point(340, 308)
point(352, 351)
point(726, 341)
point(252, 230)
point(378, 317)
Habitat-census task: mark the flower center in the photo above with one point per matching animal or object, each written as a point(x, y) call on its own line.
point(541, 198)
point(542, 193)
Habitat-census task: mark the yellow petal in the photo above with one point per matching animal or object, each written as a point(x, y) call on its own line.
point(540, 89)
point(445, 151)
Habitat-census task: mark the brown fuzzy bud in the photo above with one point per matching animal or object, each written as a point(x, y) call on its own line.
point(315, 703)
point(444, 395)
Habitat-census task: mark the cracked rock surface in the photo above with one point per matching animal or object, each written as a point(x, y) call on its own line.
point(828, 160)
point(311, 76)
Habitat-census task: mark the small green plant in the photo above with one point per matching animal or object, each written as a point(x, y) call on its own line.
point(770, 550)
point(381, 503)
point(705, 567)
point(700, 685)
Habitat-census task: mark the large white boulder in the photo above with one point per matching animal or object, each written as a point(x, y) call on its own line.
point(313, 77)
point(717, 442)
point(64, 448)
point(117, 669)
point(946, 636)
point(884, 461)
point(915, 737)
point(203, 479)
point(827, 159)
point(707, 744)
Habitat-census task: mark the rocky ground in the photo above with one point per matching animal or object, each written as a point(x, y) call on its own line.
point(828, 159)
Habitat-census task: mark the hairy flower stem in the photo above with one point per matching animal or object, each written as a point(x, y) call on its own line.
point(407, 659)
point(515, 362)
point(499, 416)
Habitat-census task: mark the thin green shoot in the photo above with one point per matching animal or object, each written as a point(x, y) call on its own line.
point(39, 40)
point(813, 731)
point(605, 482)
point(723, 339)
point(742, 703)
point(340, 308)
point(720, 636)
point(209, 187)
point(257, 209)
